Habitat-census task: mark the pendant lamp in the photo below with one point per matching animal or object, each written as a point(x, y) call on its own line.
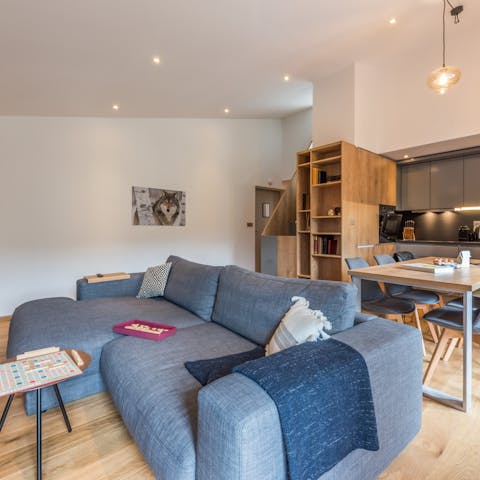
point(441, 79)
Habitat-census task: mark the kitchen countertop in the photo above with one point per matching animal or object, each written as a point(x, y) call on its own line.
point(440, 242)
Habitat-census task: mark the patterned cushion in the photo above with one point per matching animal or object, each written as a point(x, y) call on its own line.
point(300, 324)
point(154, 281)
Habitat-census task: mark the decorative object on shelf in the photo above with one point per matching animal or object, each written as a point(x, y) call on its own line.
point(155, 206)
point(334, 178)
point(337, 211)
point(441, 79)
point(322, 176)
point(331, 212)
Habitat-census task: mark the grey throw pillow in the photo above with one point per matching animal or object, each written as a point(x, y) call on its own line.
point(154, 281)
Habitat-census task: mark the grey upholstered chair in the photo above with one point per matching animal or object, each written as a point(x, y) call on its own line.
point(375, 301)
point(403, 256)
point(424, 299)
point(450, 320)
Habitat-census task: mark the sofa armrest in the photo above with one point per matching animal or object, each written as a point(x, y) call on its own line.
point(115, 288)
point(239, 435)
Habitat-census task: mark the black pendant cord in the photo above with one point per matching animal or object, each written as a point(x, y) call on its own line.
point(444, 11)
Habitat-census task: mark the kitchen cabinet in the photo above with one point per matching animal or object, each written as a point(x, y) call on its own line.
point(471, 179)
point(446, 183)
point(416, 187)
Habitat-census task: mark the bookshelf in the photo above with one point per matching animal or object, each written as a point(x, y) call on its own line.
point(339, 187)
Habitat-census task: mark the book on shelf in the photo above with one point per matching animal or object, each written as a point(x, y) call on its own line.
point(315, 244)
point(305, 201)
point(325, 245)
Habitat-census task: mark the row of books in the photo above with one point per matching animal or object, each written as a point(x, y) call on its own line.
point(325, 245)
point(322, 176)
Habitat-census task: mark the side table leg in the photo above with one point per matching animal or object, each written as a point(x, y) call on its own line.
point(62, 408)
point(39, 434)
point(5, 411)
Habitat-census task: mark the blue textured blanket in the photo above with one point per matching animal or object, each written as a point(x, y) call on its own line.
point(324, 401)
point(206, 371)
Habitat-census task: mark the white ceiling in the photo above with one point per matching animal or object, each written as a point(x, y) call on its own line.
point(71, 57)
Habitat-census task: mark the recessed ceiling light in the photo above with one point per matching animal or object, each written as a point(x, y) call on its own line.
point(115, 107)
point(392, 21)
point(226, 110)
point(156, 60)
point(286, 78)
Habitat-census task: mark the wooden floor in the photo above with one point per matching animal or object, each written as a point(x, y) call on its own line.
point(447, 448)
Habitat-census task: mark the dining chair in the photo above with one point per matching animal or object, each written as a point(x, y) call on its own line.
point(423, 299)
point(403, 256)
point(375, 301)
point(450, 320)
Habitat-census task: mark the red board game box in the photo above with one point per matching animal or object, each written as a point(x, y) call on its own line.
point(144, 329)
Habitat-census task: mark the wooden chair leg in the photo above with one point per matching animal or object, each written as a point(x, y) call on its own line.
point(437, 354)
point(450, 349)
point(460, 343)
point(419, 326)
point(433, 332)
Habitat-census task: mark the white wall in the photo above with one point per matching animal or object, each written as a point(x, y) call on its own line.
point(412, 114)
point(333, 108)
point(384, 104)
point(296, 136)
point(65, 195)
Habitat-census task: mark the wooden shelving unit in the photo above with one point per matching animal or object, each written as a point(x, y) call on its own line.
point(340, 176)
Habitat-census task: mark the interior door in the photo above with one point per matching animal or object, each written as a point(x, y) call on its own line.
point(266, 199)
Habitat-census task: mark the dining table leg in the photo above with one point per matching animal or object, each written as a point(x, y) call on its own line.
point(467, 351)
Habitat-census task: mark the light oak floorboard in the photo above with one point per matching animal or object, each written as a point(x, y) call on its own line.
point(100, 448)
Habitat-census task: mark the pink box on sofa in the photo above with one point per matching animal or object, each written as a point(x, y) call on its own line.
point(144, 329)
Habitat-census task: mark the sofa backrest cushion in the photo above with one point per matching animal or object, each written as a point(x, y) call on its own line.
point(192, 286)
point(252, 304)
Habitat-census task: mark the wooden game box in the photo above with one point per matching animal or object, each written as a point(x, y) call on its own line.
point(144, 329)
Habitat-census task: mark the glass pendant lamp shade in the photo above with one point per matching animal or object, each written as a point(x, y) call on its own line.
point(443, 78)
point(446, 76)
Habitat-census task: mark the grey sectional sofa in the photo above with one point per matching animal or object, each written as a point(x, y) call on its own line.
point(230, 428)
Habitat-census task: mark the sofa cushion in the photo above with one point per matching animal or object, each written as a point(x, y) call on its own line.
point(252, 304)
point(192, 286)
point(299, 325)
point(156, 395)
point(154, 281)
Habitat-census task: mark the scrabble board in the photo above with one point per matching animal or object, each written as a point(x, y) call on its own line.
point(31, 373)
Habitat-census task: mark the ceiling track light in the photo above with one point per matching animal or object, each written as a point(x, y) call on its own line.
point(441, 79)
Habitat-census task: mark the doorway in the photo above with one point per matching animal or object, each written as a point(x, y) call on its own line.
point(266, 199)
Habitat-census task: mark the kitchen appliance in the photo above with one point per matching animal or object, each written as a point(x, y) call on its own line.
point(390, 224)
point(409, 230)
point(476, 230)
point(465, 234)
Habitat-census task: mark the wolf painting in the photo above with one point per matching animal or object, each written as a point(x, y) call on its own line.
point(156, 206)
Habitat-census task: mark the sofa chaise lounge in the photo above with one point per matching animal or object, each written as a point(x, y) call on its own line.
point(230, 428)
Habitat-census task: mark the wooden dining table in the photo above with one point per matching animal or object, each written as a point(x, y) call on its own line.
point(463, 281)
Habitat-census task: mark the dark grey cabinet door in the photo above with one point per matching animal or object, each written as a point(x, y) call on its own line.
point(446, 183)
point(416, 187)
point(471, 181)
